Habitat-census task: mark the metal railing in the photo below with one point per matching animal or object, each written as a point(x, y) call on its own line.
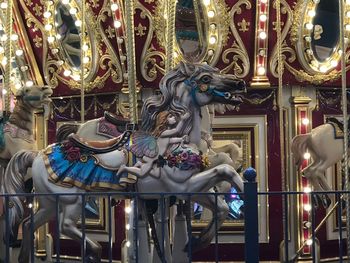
point(251, 222)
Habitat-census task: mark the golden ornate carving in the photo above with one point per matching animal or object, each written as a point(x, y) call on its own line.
point(38, 41)
point(239, 61)
point(243, 25)
point(140, 30)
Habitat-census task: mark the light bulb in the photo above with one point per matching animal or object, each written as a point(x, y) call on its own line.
point(19, 52)
point(262, 35)
point(261, 71)
point(212, 40)
point(307, 156)
point(211, 13)
point(117, 24)
point(114, 7)
point(67, 72)
point(263, 18)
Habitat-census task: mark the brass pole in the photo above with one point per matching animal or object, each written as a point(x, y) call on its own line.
point(82, 64)
point(8, 55)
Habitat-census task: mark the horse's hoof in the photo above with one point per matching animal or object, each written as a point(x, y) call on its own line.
point(326, 201)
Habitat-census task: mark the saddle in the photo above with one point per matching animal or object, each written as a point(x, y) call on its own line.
point(100, 146)
point(116, 120)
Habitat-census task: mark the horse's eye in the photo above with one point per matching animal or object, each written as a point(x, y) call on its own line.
point(205, 79)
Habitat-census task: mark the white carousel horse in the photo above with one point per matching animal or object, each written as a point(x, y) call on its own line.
point(184, 89)
point(17, 132)
point(325, 151)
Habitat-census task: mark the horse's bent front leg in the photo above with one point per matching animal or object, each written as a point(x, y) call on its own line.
point(219, 211)
point(203, 181)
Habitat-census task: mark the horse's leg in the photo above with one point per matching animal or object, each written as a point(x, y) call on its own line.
point(71, 213)
point(219, 211)
point(45, 212)
point(203, 181)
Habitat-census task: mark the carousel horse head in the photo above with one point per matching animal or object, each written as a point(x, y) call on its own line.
point(190, 86)
point(35, 96)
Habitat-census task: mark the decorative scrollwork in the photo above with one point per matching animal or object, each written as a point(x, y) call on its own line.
point(239, 62)
point(152, 60)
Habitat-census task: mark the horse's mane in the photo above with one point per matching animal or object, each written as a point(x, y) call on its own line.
point(22, 114)
point(168, 100)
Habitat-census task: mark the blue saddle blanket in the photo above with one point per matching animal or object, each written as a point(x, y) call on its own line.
point(81, 170)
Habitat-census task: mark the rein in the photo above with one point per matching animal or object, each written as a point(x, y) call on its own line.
point(195, 88)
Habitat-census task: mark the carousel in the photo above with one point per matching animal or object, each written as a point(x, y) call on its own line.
point(174, 131)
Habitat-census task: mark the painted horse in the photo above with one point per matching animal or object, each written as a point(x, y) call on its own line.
point(185, 89)
point(17, 131)
point(325, 144)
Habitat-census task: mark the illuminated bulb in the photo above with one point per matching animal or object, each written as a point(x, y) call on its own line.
point(127, 227)
point(311, 13)
point(323, 69)
point(78, 22)
point(76, 77)
point(128, 243)
point(29, 83)
point(307, 189)
point(4, 92)
point(261, 71)
point(307, 39)
point(2, 50)
point(307, 207)
point(212, 40)
point(262, 52)
point(263, 18)
point(262, 35)
point(3, 37)
point(114, 7)
point(316, 1)
point(30, 205)
point(212, 26)
point(307, 156)
point(3, 5)
point(48, 27)
point(117, 24)
point(305, 121)
point(309, 26)
point(73, 11)
point(67, 72)
point(85, 47)
point(58, 36)
point(14, 37)
point(50, 39)
point(19, 52)
point(263, 1)
point(47, 14)
point(211, 13)
point(4, 61)
point(340, 51)
point(348, 2)
point(86, 60)
point(60, 62)
point(175, 54)
point(347, 27)
point(128, 209)
point(24, 68)
point(18, 86)
point(54, 51)
point(348, 14)
point(65, 2)
point(120, 40)
point(206, 2)
point(210, 52)
point(309, 242)
point(334, 63)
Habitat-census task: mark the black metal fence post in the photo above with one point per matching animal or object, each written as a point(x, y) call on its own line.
point(251, 231)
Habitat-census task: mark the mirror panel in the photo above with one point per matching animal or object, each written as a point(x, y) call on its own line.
point(316, 29)
point(190, 25)
point(63, 23)
point(68, 35)
point(325, 33)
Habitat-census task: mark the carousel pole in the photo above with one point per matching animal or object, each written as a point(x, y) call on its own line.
point(7, 59)
point(130, 48)
point(345, 114)
point(281, 124)
point(82, 65)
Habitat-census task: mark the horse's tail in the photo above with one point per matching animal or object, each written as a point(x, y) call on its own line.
point(64, 130)
point(299, 146)
point(13, 183)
